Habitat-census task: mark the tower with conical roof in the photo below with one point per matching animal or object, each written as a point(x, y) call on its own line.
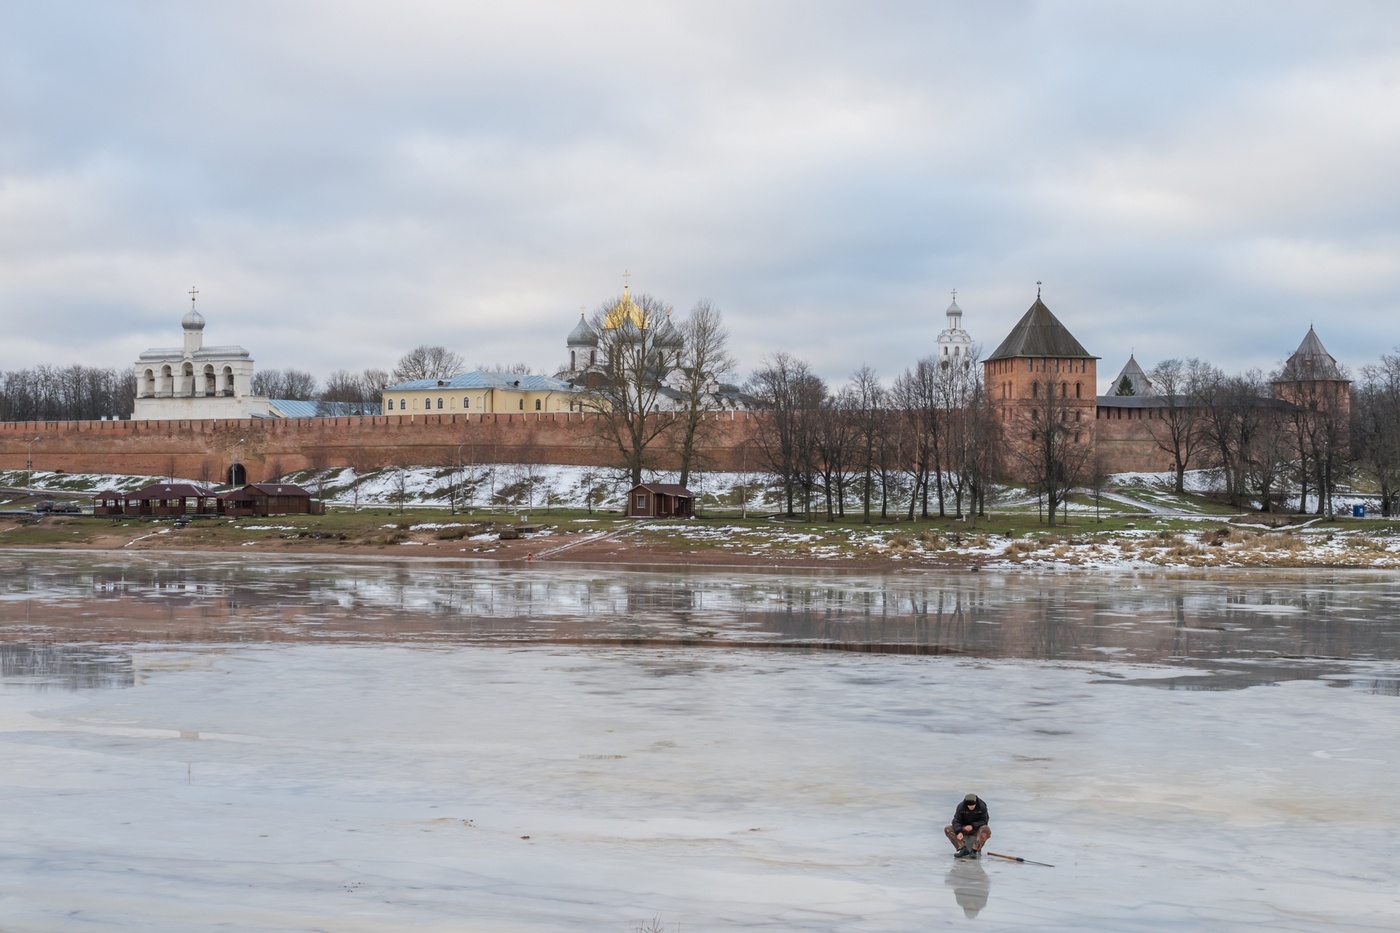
point(1312, 380)
point(954, 343)
point(1132, 381)
point(1040, 370)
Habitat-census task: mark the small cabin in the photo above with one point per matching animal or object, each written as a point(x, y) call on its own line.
point(170, 499)
point(270, 499)
point(660, 500)
point(108, 502)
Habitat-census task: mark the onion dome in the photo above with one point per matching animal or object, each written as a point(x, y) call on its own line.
point(624, 312)
point(192, 320)
point(582, 335)
point(667, 336)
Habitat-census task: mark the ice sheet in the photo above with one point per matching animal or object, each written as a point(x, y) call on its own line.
point(356, 787)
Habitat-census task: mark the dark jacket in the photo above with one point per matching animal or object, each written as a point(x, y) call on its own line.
point(971, 814)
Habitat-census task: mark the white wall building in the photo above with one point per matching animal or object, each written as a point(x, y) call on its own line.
point(195, 381)
point(954, 343)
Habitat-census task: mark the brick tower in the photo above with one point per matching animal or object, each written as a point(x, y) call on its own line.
point(1039, 373)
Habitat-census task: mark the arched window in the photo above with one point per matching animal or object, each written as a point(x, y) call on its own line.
point(592, 357)
point(1035, 390)
point(391, 404)
point(573, 359)
point(439, 404)
point(403, 404)
point(466, 401)
point(1064, 389)
point(537, 404)
point(522, 404)
point(1077, 387)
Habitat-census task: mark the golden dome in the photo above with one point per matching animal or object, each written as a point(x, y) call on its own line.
point(625, 310)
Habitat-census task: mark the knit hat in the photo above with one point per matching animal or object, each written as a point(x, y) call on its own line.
point(971, 798)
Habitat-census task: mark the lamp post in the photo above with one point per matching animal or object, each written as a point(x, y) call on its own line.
point(457, 481)
point(29, 464)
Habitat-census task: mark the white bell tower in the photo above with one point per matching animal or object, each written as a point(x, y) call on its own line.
point(954, 343)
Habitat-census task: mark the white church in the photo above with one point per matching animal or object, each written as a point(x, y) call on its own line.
point(954, 343)
point(195, 381)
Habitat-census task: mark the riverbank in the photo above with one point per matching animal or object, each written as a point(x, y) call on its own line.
point(1004, 540)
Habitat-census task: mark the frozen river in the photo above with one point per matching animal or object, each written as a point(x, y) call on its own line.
point(376, 746)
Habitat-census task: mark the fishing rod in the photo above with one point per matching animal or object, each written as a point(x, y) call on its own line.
point(1017, 858)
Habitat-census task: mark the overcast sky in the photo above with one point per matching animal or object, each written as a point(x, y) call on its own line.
point(346, 180)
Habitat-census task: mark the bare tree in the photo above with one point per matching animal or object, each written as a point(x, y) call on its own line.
point(1375, 418)
point(979, 447)
point(427, 362)
point(349, 393)
point(703, 360)
point(865, 402)
point(955, 448)
point(515, 369)
point(786, 437)
point(1231, 409)
point(362, 462)
point(1179, 430)
point(914, 398)
point(638, 346)
point(284, 384)
point(833, 442)
point(1051, 446)
point(1318, 434)
point(68, 393)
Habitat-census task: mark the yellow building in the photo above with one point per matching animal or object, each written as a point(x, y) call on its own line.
point(482, 393)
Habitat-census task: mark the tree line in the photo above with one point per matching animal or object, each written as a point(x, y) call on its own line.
point(66, 393)
point(928, 444)
point(1286, 440)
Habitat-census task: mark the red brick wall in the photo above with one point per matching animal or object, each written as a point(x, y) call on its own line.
point(267, 448)
point(1126, 444)
point(205, 449)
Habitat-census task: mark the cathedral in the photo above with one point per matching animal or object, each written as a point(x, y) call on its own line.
point(624, 323)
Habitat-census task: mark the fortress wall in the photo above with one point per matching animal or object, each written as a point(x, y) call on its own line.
point(1127, 445)
point(204, 449)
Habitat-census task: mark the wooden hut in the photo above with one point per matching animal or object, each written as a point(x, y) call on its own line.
point(170, 499)
point(108, 502)
point(270, 499)
point(660, 500)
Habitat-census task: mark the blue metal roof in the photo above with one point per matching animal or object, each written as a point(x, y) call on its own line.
point(488, 380)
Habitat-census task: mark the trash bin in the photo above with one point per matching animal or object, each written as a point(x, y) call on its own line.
point(1358, 511)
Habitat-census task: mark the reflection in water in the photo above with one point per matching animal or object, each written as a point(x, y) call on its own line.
point(64, 667)
point(971, 885)
point(1258, 625)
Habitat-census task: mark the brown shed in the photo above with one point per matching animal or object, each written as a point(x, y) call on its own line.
point(660, 500)
point(271, 499)
point(171, 499)
point(108, 502)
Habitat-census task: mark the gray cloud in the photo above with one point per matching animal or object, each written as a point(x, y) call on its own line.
point(344, 180)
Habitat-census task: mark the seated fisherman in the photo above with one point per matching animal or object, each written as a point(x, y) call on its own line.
point(969, 831)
